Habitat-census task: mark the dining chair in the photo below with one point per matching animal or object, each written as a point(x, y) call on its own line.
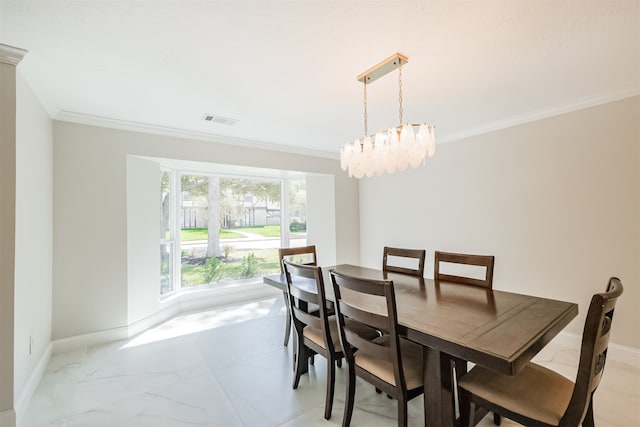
point(418, 255)
point(316, 332)
point(485, 261)
point(302, 255)
point(391, 363)
point(537, 396)
point(458, 365)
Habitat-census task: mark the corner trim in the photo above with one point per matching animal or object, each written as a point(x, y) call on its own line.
point(11, 55)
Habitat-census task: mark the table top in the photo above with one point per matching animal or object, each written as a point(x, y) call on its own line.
point(496, 329)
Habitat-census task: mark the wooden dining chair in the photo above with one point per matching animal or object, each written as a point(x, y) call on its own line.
point(485, 261)
point(391, 363)
point(537, 396)
point(458, 365)
point(316, 332)
point(303, 255)
point(418, 255)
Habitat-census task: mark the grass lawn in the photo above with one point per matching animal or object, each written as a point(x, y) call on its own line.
point(187, 234)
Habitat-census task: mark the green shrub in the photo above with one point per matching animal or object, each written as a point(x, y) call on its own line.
point(212, 270)
point(297, 226)
point(249, 266)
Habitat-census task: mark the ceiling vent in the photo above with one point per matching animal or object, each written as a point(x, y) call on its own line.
point(219, 120)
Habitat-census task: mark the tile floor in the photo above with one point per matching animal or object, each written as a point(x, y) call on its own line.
point(228, 367)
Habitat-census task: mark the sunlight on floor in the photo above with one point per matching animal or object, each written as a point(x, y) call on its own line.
point(197, 322)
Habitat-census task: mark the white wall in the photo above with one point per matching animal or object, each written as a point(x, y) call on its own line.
point(34, 233)
point(91, 273)
point(321, 217)
point(143, 225)
point(557, 201)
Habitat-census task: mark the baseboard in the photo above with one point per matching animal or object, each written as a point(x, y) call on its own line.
point(8, 418)
point(32, 384)
point(92, 339)
point(183, 303)
point(618, 353)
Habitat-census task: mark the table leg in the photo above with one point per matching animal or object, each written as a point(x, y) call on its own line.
point(439, 410)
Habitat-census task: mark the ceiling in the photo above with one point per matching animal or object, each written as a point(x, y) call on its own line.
point(286, 70)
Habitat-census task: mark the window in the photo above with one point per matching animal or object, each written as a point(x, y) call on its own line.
point(167, 242)
point(228, 229)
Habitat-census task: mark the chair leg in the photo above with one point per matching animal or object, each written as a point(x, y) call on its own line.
point(588, 418)
point(287, 327)
point(402, 412)
point(497, 419)
point(331, 380)
point(302, 363)
point(467, 409)
point(339, 362)
point(351, 392)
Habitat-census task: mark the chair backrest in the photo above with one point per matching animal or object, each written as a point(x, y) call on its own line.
point(417, 254)
point(593, 353)
point(372, 303)
point(485, 261)
point(294, 254)
point(300, 298)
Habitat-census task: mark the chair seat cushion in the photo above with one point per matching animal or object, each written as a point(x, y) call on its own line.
point(535, 392)
point(411, 355)
point(315, 334)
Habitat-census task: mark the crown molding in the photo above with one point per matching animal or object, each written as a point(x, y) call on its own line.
point(11, 55)
point(89, 119)
point(538, 115)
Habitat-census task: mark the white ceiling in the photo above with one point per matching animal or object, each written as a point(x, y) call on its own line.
point(286, 70)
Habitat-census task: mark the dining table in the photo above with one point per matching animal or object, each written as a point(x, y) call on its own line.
point(497, 329)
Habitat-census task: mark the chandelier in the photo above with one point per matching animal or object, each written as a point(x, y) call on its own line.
point(389, 150)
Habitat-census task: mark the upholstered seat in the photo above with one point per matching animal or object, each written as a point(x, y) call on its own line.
point(536, 392)
point(411, 355)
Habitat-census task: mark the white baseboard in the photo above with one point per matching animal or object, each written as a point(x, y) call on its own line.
point(174, 306)
point(32, 383)
point(616, 352)
point(8, 418)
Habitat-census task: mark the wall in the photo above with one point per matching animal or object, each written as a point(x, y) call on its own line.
point(90, 187)
point(143, 225)
point(557, 201)
point(7, 231)
point(34, 232)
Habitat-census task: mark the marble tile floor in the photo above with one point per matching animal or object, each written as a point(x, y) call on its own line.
point(228, 367)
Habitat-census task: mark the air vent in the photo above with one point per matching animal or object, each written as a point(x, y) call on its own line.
point(211, 118)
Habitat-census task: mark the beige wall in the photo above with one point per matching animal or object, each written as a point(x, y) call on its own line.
point(90, 187)
point(7, 235)
point(557, 201)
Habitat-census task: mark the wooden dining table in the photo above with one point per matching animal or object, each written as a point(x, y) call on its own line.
point(496, 329)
